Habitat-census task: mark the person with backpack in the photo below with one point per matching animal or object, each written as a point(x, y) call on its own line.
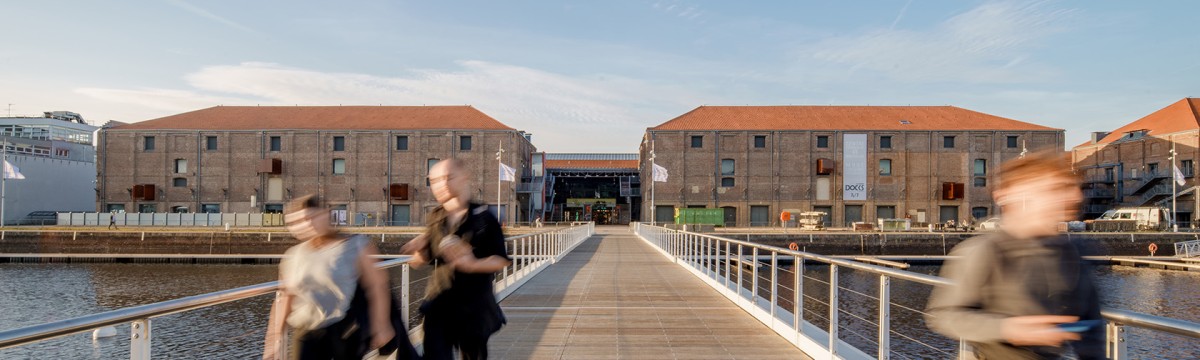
point(1023, 292)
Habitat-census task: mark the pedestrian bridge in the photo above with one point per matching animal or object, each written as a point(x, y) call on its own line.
point(649, 292)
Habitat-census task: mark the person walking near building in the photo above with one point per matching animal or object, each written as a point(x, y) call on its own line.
point(324, 281)
point(112, 220)
point(1016, 290)
point(465, 243)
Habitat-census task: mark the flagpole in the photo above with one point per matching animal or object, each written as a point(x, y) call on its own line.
point(653, 208)
point(499, 174)
point(1174, 184)
point(3, 181)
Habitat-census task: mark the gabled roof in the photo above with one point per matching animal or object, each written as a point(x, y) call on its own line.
point(324, 118)
point(924, 118)
point(1179, 116)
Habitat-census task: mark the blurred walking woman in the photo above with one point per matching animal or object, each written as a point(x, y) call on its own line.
point(319, 279)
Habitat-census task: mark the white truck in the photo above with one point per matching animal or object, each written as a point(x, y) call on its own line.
point(1133, 219)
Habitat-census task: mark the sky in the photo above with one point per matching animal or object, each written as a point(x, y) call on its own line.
point(591, 76)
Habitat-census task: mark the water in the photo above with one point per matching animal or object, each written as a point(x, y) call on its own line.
point(37, 293)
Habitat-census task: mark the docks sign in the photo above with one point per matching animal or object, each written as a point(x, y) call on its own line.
point(854, 167)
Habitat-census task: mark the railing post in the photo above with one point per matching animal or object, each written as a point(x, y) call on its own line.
point(885, 318)
point(774, 282)
point(740, 274)
point(833, 310)
point(1116, 342)
point(139, 340)
point(727, 265)
point(404, 296)
point(798, 294)
point(754, 291)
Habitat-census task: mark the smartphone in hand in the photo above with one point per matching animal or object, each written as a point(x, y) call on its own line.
point(1080, 326)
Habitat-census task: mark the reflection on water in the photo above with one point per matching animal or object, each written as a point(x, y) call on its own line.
point(37, 293)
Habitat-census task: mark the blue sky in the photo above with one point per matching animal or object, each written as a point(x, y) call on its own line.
point(590, 76)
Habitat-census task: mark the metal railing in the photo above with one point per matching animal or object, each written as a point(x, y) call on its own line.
point(779, 298)
point(530, 253)
point(1187, 248)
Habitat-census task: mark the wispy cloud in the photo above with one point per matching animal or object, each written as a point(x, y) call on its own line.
point(988, 44)
point(209, 15)
point(679, 9)
point(612, 108)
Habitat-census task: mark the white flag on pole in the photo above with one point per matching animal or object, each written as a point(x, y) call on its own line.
point(507, 173)
point(12, 171)
point(1178, 175)
point(660, 173)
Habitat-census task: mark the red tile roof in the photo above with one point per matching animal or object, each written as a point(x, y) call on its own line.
point(842, 118)
point(1179, 116)
point(324, 118)
point(591, 164)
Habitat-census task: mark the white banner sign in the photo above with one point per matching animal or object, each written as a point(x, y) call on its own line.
point(854, 167)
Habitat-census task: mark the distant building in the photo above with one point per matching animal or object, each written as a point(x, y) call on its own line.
point(855, 163)
point(604, 188)
point(369, 163)
point(1130, 166)
point(56, 155)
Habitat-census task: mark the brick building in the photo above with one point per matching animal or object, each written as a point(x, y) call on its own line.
point(367, 162)
point(1131, 165)
point(855, 163)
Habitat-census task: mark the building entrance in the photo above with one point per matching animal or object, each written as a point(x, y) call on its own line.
point(603, 188)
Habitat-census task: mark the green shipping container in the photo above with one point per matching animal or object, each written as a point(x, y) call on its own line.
point(714, 217)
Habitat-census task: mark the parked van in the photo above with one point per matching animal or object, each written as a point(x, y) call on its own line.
point(1133, 219)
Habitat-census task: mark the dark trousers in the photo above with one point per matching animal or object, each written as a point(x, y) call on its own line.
point(339, 341)
point(443, 335)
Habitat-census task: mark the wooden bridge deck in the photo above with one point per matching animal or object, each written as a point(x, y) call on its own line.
point(614, 297)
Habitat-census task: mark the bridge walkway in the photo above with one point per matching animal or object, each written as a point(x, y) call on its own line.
point(615, 297)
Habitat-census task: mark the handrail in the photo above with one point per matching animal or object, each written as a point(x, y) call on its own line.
point(1153, 322)
point(701, 254)
point(531, 253)
point(80, 324)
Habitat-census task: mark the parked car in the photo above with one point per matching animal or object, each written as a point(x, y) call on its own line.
point(989, 225)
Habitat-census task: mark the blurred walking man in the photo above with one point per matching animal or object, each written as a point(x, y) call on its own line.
point(465, 243)
point(1016, 289)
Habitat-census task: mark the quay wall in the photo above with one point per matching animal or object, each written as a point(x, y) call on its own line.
point(102, 242)
point(877, 243)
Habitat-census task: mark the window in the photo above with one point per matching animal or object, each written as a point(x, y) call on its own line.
point(1186, 168)
point(147, 208)
point(726, 166)
point(980, 182)
point(948, 142)
point(210, 208)
point(339, 143)
point(1152, 169)
point(885, 167)
point(273, 208)
point(148, 143)
point(210, 142)
point(697, 141)
point(402, 143)
point(885, 142)
point(979, 213)
point(885, 212)
point(822, 141)
point(824, 167)
point(760, 141)
point(117, 208)
point(180, 209)
point(727, 182)
point(180, 182)
point(429, 166)
point(980, 167)
point(1012, 141)
point(276, 143)
point(464, 143)
point(180, 166)
point(339, 166)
